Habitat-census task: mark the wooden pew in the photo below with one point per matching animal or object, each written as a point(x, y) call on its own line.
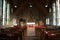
point(13, 33)
point(40, 33)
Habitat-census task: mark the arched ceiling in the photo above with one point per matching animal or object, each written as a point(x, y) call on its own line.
point(40, 5)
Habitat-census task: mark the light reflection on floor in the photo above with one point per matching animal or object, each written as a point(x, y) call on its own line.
point(31, 34)
point(30, 31)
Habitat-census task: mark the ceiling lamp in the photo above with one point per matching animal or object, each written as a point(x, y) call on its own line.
point(30, 5)
point(15, 6)
point(46, 5)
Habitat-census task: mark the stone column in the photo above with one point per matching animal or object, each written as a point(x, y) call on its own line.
point(57, 12)
point(54, 14)
point(8, 13)
point(51, 16)
point(4, 13)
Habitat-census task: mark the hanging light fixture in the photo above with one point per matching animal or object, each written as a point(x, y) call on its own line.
point(15, 6)
point(30, 5)
point(46, 5)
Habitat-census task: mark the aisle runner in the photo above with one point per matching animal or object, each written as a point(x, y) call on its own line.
point(30, 31)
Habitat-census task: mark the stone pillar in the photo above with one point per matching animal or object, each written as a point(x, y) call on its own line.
point(8, 13)
point(51, 16)
point(4, 13)
point(57, 12)
point(54, 13)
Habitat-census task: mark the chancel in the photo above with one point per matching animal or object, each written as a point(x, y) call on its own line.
point(29, 19)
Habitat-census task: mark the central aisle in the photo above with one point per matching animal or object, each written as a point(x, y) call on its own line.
point(30, 31)
point(30, 34)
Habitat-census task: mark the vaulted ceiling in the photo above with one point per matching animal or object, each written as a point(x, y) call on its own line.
point(20, 5)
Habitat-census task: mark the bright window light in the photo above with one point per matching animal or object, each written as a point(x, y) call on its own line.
point(47, 21)
point(14, 22)
point(30, 23)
